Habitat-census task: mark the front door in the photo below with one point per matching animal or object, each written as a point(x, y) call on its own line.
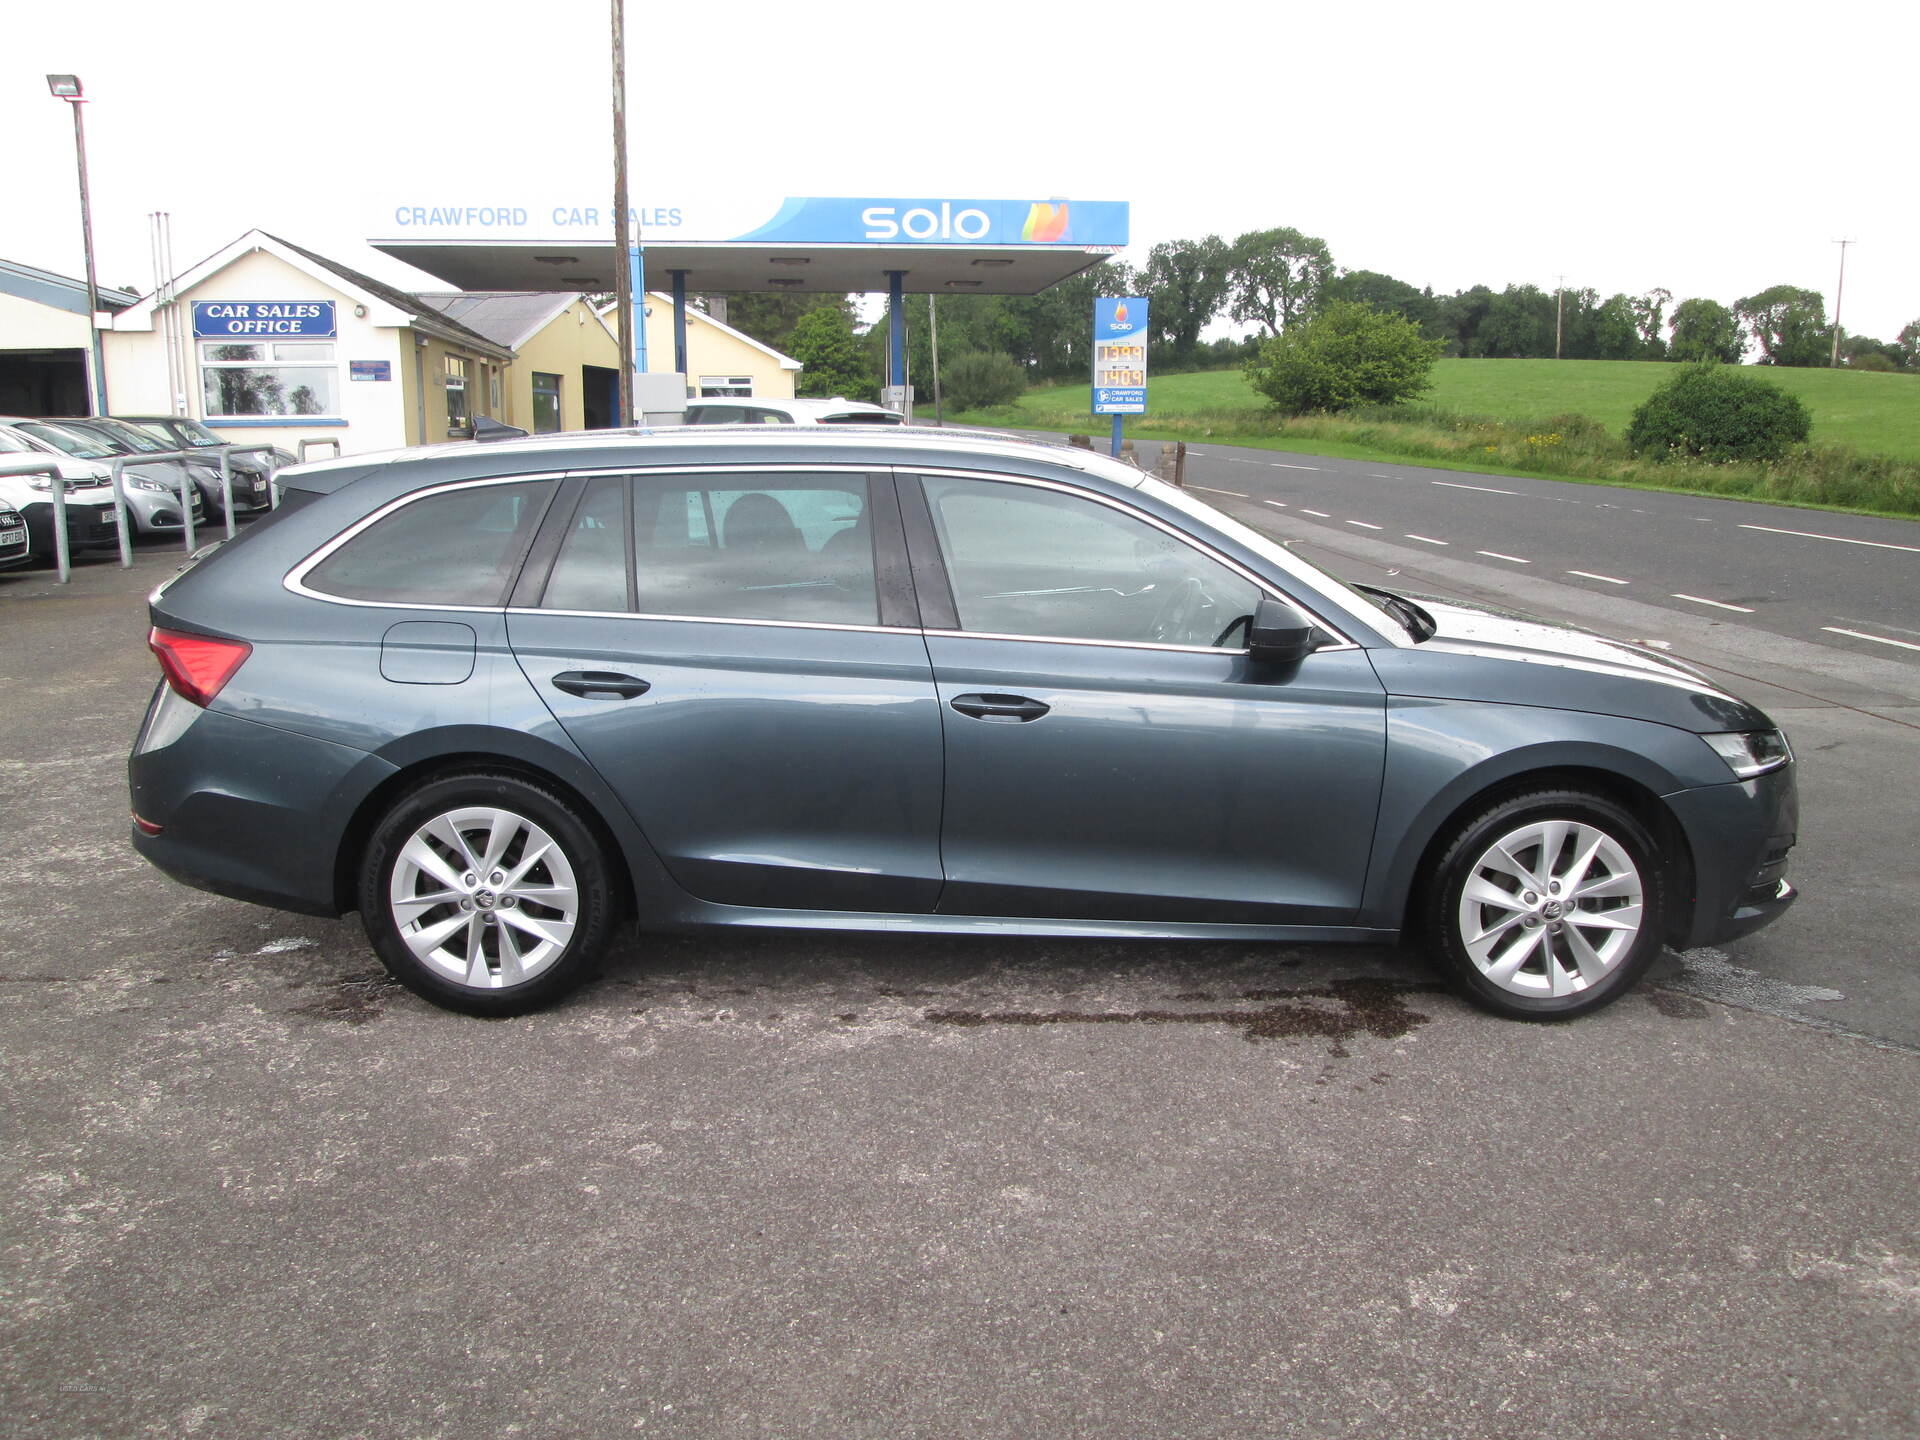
point(724, 650)
point(1110, 751)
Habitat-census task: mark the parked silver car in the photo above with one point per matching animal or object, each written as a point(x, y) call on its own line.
point(153, 490)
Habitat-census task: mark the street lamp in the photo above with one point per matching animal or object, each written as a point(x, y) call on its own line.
point(67, 88)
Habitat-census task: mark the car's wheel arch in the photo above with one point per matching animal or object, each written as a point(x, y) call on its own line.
point(1629, 781)
point(429, 755)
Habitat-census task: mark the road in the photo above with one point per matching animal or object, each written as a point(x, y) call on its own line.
point(769, 1185)
point(1809, 613)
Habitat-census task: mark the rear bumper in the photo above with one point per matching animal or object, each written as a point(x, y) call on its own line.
point(244, 809)
point(1739, 835)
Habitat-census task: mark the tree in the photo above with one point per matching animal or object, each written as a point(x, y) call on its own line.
point(1649, 311)
point(1863, 352)
point(836, 362)
point(1458, 318)
point(1187, 282)
point(1349, 354)
point(1614, 330)
point(978, 380)
point(1719, 412)
point(769, 316)
point(1789, 323)
point(1386, 294)
point(1706, 330)
point(1518, 324)
point(1275, 277)
point(1906, 345)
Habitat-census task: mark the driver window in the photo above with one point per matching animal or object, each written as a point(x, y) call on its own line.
point(1028, 561)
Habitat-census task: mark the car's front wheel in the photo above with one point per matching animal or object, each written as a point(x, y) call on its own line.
point(486, 893)
point(1547, 905)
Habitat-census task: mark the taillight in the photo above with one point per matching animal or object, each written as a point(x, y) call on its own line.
point(197, 666)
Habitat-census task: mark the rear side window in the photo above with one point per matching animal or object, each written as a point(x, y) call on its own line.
point(460, 547)
point(779, 547)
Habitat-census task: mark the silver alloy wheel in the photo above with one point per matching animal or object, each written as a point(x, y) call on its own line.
point(484, 897)
point(1551, 908)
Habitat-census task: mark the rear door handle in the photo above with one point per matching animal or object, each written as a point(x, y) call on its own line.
point(1000, 707)
point(602, 684)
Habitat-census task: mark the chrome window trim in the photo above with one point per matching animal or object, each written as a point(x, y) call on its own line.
point(716, 620)
point(295, 579)
point(1192, 542)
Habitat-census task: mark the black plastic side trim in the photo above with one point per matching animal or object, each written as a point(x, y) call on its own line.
point(937, 610)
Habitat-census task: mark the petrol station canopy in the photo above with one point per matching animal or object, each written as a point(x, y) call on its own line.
point(934, 246)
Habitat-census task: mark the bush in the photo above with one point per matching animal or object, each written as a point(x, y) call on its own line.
point(1718, 413)
point(1349, 354)
point(978, 380)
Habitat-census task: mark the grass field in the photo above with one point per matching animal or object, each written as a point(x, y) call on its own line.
point(1512, 417)
point(1879, 413)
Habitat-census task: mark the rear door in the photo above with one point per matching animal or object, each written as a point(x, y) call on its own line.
point(737, 653)
point(1111, 752)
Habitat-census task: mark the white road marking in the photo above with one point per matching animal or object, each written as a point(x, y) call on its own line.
point(1364, 525)
point(1589, 575)
point(1862, 635)
point(1843, 539)
point(1717, 604)
point(1282, 465)
point(1495, 554)
point(1429, 540)
point(1375, 475)
point(1456, 485)
point(1277, 504)
point(1237, 494)
point(1321, 513)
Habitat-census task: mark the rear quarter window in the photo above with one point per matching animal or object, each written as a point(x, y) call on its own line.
point(460, 547)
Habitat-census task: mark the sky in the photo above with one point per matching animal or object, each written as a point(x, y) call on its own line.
point(1707, 147)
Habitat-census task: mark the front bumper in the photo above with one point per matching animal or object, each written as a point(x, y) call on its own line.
point(1739, 836)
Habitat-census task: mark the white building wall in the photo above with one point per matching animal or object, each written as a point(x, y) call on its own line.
point(30, 325)
point(373, 412)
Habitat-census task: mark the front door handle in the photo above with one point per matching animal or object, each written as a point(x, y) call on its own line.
point(602, 684)
point(1014, 708)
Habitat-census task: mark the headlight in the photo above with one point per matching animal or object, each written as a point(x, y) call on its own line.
point(140, 482)
point(40, 482)
point(1751, 752)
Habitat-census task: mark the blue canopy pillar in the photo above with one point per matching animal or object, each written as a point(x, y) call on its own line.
point(679, 320)
point(896, 330)
point(637, 268)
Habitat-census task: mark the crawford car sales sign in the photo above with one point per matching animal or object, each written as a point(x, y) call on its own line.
point(283, 319)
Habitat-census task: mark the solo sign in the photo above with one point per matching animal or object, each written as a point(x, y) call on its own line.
point(1120, 356)
point(280, 319)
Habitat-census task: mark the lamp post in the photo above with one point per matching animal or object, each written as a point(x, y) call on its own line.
point(67, 88)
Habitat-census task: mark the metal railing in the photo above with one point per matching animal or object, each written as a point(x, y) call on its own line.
point(62, 547)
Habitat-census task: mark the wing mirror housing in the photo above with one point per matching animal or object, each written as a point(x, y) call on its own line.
point(1280, 635)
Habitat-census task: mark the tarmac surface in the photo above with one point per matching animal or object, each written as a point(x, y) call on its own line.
point(780, 1185)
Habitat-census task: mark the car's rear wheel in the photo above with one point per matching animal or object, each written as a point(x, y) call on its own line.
point(1547, 905)
point(486, 893)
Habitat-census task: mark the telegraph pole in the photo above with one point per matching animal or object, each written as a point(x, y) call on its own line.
point(1838, 290)
point(622, 238)
point(1559, 312)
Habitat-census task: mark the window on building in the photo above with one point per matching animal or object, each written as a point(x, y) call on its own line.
point(546, 403)
point(459, 415)
point(269, 377)
point(726, 385)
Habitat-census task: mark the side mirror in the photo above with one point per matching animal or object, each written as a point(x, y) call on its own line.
point(1280, 634)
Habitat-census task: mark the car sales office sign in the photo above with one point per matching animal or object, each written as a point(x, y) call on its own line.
point(1120, 356)
point(279, 319)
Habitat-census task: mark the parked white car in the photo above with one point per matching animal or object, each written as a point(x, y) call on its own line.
point(13, 537)
point(153, 491)
point(749, 410)
point(90, 519)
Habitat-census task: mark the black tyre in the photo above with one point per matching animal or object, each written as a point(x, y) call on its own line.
point(486, 893)
point(1546, 905)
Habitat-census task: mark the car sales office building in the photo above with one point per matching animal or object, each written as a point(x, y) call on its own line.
point(270, 343)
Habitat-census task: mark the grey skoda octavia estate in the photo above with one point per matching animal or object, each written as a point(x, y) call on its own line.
point(500, 697)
